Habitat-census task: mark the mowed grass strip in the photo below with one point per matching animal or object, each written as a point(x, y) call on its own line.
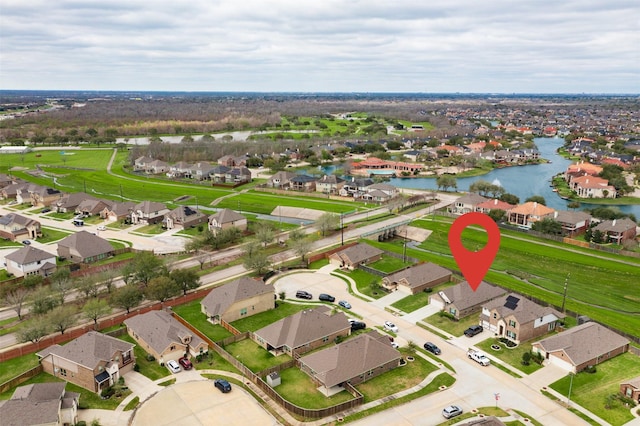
point(413, 302)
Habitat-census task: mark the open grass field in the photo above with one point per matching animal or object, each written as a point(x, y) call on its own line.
point(455, 328)
point(389, 264)
point(591, 390)
point(363, 282)
point(599, 284)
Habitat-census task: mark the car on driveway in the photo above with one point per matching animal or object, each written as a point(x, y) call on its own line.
point(173, 366)
point(451, 411)
point(473, 330)
point(223, 385)
point(26, 242)
point(185, 363)
point(358, 325)
point(326, 297)
point(102, 228)
point(344, 304)
point(389, 326)
point(301, 294)
point(432, 348)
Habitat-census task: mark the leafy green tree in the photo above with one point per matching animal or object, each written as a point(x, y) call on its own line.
point(574, 205)
point(95, 309)
point(87, 286)
point(497, 215)
point(255, 258)
point(446, 181)
point(126, 297)
point(510, 198)
point(265, 234)
point(536, 199)
point(548, 226)
point(34, 330)
point(300, 246)
point(43, 300)
point(32, 281)
point(143, 268)
point(185, 279)
point(326, 222)
point(162, 288)
point(62, 317)
point(61, 282)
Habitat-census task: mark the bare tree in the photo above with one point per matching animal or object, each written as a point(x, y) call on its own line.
point(61, 318)
point(16, 298)
point(96, 308)
point(34, 330)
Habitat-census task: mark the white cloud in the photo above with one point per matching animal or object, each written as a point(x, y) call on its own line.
point(331, 45)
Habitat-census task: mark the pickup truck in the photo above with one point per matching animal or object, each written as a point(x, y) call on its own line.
point(478, 357)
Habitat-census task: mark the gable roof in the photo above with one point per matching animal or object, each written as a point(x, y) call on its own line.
point(495, 204)
point(86, 244)
point(148, 207)
point(616, 225)
point(584, 342)
point(463, 296)
point(572, 217)
point(524, 310)
point(635, 382)
point(339, 363)
point(160, 330)
point(221, 298)
point(29, 254)
point(184, 213)
point(14, 218)
point(532, 208)
point(471, 198)
point(89, 349)
point(73, 199)
point(303, 327)
point(419, 274)
point(358, 253)
point(226, 216)
point(36, 404)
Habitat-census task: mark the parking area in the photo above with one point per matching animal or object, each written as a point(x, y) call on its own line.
point(314, 282)
point(199, 403)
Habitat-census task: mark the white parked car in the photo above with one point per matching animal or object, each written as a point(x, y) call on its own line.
point(389, 326)
point(102, 228)
point(173, 366)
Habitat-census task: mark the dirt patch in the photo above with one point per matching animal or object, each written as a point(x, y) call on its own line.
point(297, 213)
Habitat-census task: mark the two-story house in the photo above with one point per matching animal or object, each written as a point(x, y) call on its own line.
point(468, 203)
point(15, 227)
point(618, 230)
point(238, 299)
point(148, 212)
point(30, 261)
point(226, 218)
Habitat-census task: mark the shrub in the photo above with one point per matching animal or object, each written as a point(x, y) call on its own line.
point(136, 368)
point(81, 423)
point(150, 358)
point(526, 358)
point(107, 392)
point(591, 369)
point(447, 315)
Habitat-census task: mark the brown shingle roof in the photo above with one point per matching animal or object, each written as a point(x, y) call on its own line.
point(87, 244)
point(524, 311)
point(29, 254)
point(463, 296)
point(359, 253)
point(226, 216)
point(303, 327)
point(419, 274)
point(160, 330)
point(349, 359)
point(221, 298)
point(584, 342)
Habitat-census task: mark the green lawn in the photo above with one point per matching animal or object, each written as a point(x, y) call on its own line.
point(151, 369)
point(151, 229)
point(389, 264)
point(413, 302)
point(191, 313)
point(512, 356)
point(363, 282)
point(591, 390)
point(214, 361)
point(298, 388)
point(50, 235)
point(257, 321)
point(455, 328)
point(14, 367)
point(255, 357)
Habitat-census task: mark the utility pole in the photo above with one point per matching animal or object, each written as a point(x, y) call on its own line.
point(341, 229)
point(404, 248)
point(564, 296)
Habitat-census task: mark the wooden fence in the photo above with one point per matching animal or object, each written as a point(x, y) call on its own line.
point(10, 384)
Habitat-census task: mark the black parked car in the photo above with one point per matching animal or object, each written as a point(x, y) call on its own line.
point(358, 325)
point(301, 294)
point(432, 348)
point(223, 385)
point(327, 297)
point(473, 330)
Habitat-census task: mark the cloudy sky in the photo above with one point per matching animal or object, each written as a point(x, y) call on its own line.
point(503, 46)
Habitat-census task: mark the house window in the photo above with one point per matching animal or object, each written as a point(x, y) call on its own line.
point(512, 323)
point(325, 339)
point(452, 311)
point(172, 348)
point(552, 326)
point(243, 311)
point(63, 372)
point(495, 315)
point(511, 335)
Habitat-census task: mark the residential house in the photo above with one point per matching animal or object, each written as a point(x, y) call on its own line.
point(585, 345)
point(525, 215)
point(22, 192)
point(353, 361)
point(238, 299)
point(227, 218)
point(43, 196)
point(468, 203)
point(572, 222)
point(303, 331)
point(587, 186)
point(156, 167)
point(417, 278)
point(181, 169)
point(15, 227)
point(329, 184)
point(42, 404)
point(280, 180)
point(10, 192)
point(93, 207)
point(184, 217)
point(93, 361)
point(461, 300)
point(118, 211)
point(631, 389)
point(84, 247)
point(5, 180)
point(231, 161)
point(584, 168)
point(217, 174)
point(518, 319)
point(495, 204)
point(201, 170)
point(618, 230)
point(237, 175)
point(69, 202)
point(140, 163)
point(30, 261)
point(356, 187)
point(164, 337)
point(388, 190)
point(303, 183)
point(148, 212)
point(354, 256)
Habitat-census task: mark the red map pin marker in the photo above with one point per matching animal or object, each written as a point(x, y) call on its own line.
point(474, 264)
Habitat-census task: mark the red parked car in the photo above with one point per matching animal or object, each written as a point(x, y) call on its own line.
point(185, 363)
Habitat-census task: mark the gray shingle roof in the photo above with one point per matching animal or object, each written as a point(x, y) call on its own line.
point(419, 274)
point(572, 217)
point(226, 216)
point(14, 218)
point(616, 225)
point(525, 311)
point(160, 330)
point(87, 244)
point(149, 207)
point(584, 342)
point(463, 296)
point(29, 254)
point(358, 253)
point(349, 359)
point(89, 349)
point(221, 298)
point(303, 327)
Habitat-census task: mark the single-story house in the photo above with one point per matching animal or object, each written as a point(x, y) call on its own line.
point(93, 361)
point(227, 218)
point(417, 278)
point(585, 345)
point(461, 301)
point(93, 207)
point(40, 404)
point(631, 389)
point(495, 204)
point(303, 331)
point(618, 230)
point(468, 203)
point(184, 217)
point(15, 227)
point(354, 361)
point(518, 319)
point(164, 337)
point(30, 261)
point(238, 299)
point(84, 247)
point(356, 255)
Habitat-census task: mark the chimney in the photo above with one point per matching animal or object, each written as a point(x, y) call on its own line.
point(555, 214)
point(535, 205)
point(613, 223)
point(495, 201)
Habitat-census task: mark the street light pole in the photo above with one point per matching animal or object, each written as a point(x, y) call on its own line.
point(341, 229)
point(570, 386)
